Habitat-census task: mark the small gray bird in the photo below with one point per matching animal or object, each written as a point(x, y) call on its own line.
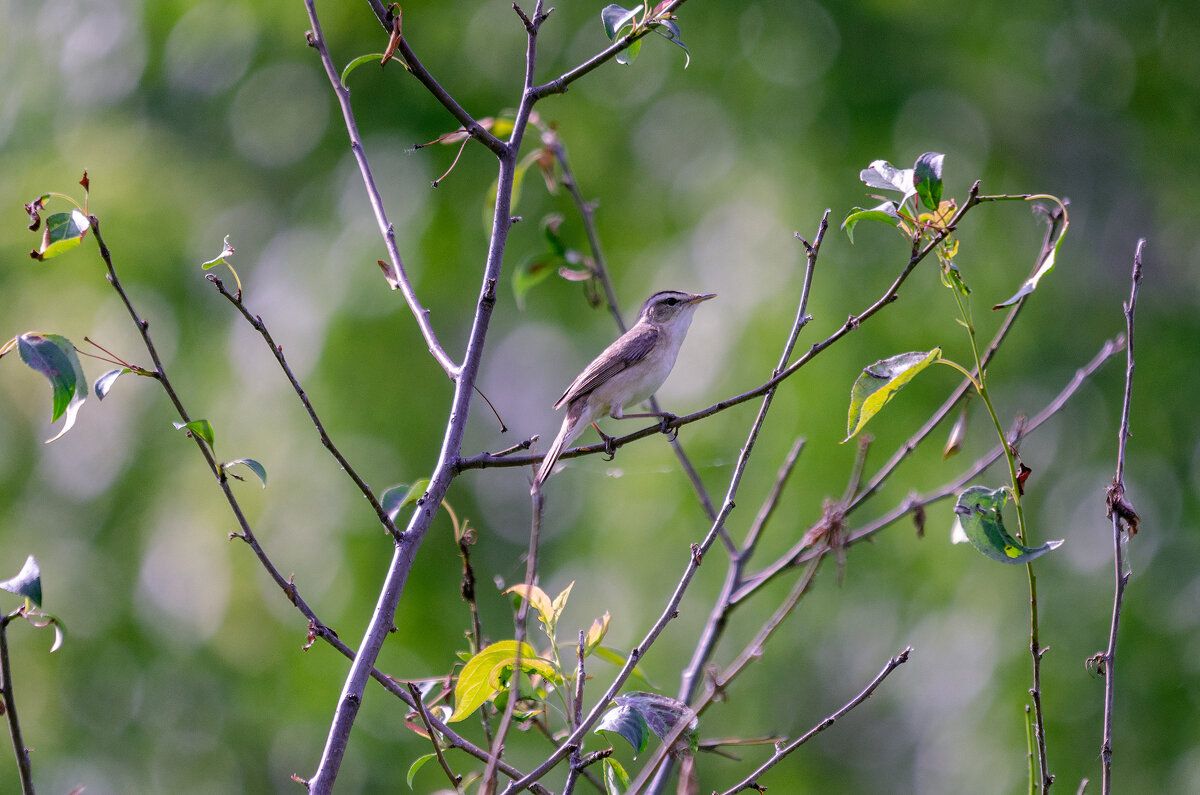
point(628, 372)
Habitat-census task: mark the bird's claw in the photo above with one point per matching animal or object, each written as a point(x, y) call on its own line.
point(610, 445)
point(665, 426)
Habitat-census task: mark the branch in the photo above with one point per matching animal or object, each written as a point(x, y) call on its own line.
point(397, 277)
point(559, 84)
point(1124, 524)
point(751, 781)
point(404, 553)
point(468, 122)
point(717, 617)
point(24, 768)
point(256, 322)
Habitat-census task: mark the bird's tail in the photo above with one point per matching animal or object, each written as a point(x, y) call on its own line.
point(573, 425)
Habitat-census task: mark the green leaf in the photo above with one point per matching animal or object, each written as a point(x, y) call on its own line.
point(615, 17)
point(397, 498)
point(200, 428)
point(885, 212)
point(550, 226)
point(952, 278)
point(630, 53)
point(627, 723)
point(105, 382)
point(419, 763)
point(616, 780)
point(54, 356)
point(27, 583)
point(357, 62)
point(475, 683)
point(882, 175)
point(978, 517)
point(560, 601)
point(927, 179)
point(64, 231)
point(879, 383)
point(226, 251)
point(255, 467)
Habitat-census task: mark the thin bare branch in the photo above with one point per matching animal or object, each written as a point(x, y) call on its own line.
point(455, 779)
point(447, 466)
point(715, 625)
point(397, 277)
point(751, 781)
point(418, 70)
point(1124, 525)
point(256, 322)
point(559, 84)
point(24, 768)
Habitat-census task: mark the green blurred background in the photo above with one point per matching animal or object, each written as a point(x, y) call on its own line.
point(183, 670)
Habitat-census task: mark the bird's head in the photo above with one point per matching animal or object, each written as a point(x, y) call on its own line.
point(671, 307)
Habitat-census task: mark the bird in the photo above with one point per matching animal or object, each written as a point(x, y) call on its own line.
point(627, 373)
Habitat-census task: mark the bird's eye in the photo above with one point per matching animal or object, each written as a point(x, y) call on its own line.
point(671, 301)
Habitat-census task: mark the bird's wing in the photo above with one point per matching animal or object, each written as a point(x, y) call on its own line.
point(629, 349)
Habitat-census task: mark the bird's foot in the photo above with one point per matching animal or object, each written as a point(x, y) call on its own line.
point(672, 433)
point(610, 443)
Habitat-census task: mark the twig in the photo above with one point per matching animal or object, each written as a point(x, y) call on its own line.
point(256, 322)
point(468, 122)
point(455, 779)
point(24, 768)
point(522, 620)
point(559, 84)
point(398, 277)
point(576, 716)
point(1124, 520)
point(751, 781)
point(721, 680)
point(669, 612)
point(715, 624)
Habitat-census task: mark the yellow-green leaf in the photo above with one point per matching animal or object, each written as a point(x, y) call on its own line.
point(879, 382)
point(474, 686)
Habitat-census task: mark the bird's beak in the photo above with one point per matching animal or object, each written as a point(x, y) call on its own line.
point(695, 299)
